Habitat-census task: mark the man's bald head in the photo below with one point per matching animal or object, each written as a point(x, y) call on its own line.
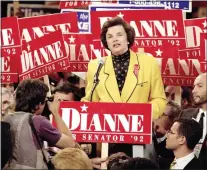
point(200, 90)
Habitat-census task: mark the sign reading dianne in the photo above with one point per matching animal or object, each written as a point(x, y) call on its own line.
point(153, 28)
point(10, 49)
point(43, 55)
point(108, 122)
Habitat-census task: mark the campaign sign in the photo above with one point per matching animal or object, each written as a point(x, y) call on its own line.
point(152, 27)
point(176, 68)
point(83, 19)
point(81, 49)
point(36, 27)
point(42, 56)
point(108, 122)
point(29, 10)
point(194, 28)
point(204, 51)
point(10, 49)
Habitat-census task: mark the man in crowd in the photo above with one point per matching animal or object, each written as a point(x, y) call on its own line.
point(181, 139)
point(157, 150)
point(30, 102)
point(199, 113)
point(7, 99)
point(67, 92)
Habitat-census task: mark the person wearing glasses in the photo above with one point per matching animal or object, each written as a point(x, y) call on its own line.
point(182, 139)
point(27, 148)
point(199, 112)
point(157, 150)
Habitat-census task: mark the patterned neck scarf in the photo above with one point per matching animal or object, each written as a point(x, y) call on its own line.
point(121, 64)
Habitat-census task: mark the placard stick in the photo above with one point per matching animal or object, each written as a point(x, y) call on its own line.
point(104, 154)
point(16, 6)
point(47, 82)
point(178, 92)
point(138, 150)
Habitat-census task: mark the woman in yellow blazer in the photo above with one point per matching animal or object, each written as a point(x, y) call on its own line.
point(126, 77)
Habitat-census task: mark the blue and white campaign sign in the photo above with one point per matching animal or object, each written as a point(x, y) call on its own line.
point(185, 5)
point(83, 19)
point(105, 7)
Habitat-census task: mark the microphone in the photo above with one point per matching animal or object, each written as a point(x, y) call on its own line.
point(100, 65)
point(96, 80)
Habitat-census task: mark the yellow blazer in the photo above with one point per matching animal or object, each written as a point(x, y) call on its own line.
point(145, 87)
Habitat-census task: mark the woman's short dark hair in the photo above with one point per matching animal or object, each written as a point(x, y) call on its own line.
point(29, 94)
point(118, 21)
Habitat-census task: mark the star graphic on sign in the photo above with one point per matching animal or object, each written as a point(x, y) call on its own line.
point(120, 15)
point(28, 47)
point(84, 108)
point(72, 39)
point(204, 24)
point(158, 52)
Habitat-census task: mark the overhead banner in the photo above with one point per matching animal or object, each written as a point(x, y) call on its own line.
point(108, 7)
point(185, 5)
point(108, 122)
point(29, 10)
point(82, 3)
point(152, 27)
point(42, 56)
point(10, 49)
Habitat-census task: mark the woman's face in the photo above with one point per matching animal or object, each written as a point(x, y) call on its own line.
point(116, 39)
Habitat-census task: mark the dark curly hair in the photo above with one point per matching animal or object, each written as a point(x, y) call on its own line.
point(117, 21)
point(29, 94)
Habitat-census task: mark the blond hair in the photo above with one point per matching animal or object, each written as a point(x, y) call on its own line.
point(71, 158)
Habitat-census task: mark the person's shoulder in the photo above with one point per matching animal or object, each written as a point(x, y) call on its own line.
point(39, 118)
point(190, 110)
point(145, 56)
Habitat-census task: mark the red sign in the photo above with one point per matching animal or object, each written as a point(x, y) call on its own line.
point(174, 71)
point(74, 3)
point(194, 27)
point(204, 52)
point(108, 122)
point(81, 49)
point(81, 3)
point(152, 27)
point(43, 56)
point(10, 49)
point(36, 27)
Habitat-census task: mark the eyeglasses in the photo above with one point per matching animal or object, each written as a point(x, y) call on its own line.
point(173, 133)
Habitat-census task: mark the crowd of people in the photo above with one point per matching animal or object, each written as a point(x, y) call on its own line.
point(178, 134)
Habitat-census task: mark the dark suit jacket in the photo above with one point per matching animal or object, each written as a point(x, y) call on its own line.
point(189, 113)
point(6, 145)
point(203, 154)
point(193, 164)
point(192, 113)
